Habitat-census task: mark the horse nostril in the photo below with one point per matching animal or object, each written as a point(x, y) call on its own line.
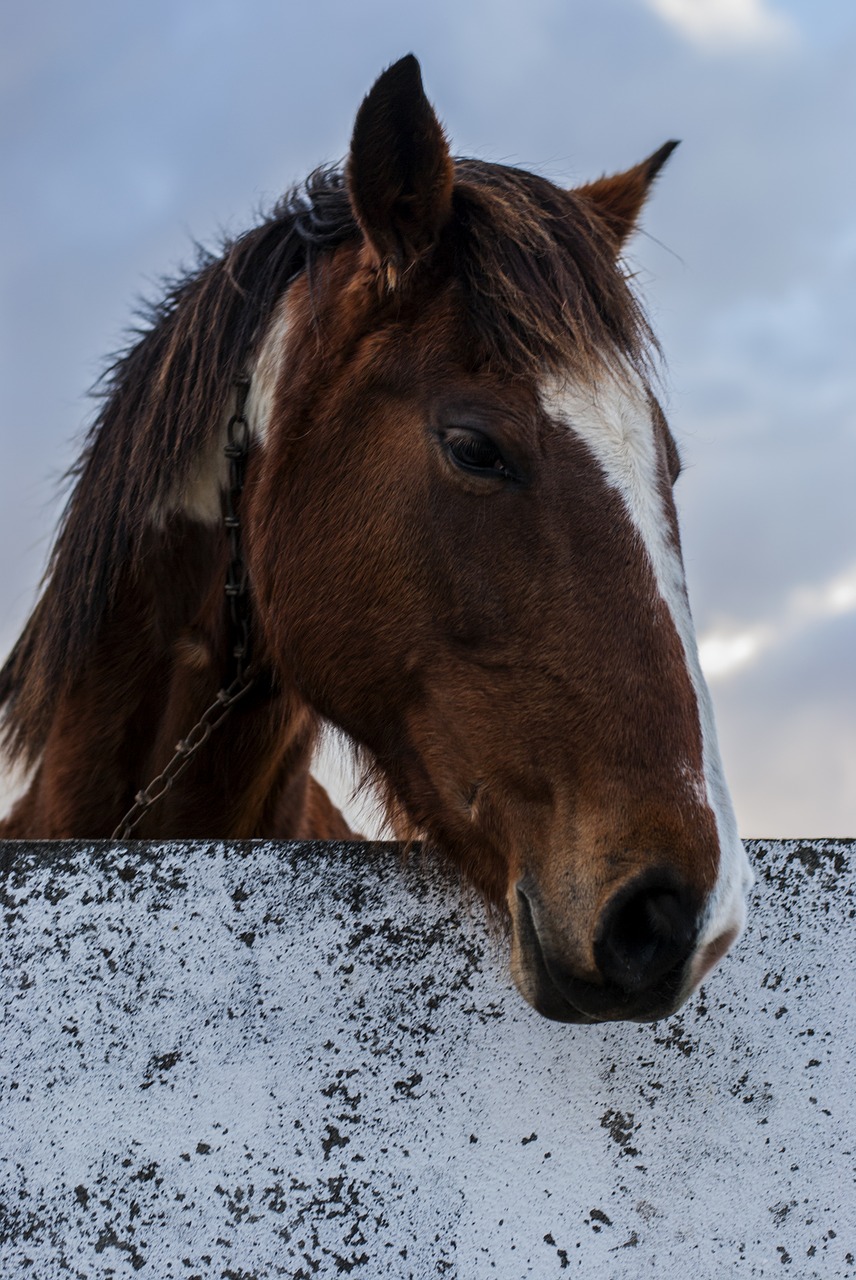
point(646, 929)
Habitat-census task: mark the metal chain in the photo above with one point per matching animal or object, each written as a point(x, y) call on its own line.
point(237, 446)
point(236, 449)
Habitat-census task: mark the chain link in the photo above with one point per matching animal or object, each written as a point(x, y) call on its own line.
point(237, 595)
point(237, 446)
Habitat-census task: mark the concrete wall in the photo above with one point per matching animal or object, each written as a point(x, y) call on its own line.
point(307, 1060)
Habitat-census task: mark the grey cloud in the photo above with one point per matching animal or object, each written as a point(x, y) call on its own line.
point(788, 731)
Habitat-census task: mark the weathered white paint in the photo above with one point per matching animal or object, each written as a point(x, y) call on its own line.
point(615, 422)
point(298, 1060)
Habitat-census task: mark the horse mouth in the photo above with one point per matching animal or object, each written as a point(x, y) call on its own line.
point(561, 997)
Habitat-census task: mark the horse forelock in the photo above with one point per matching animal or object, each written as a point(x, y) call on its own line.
point(545, 290)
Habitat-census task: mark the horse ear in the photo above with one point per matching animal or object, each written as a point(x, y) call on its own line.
point(399, 170)
point(618, 200)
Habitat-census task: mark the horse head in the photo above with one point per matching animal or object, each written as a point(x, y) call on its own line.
point(465, 554)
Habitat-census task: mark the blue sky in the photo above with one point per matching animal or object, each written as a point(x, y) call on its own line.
point(127, 131)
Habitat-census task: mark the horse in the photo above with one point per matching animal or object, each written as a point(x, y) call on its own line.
point(394, 462)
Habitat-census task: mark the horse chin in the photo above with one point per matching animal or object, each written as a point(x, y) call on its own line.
point(546, 999)
point(551, 1004)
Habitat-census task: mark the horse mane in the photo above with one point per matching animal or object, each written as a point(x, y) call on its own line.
point(540, 281)
point(163, 399)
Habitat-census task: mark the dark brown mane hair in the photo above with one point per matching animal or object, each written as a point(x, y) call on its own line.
point(537, 267)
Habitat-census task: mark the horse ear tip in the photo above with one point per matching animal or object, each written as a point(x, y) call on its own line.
point(399, 83)
point(405, 70)
point(656, 162)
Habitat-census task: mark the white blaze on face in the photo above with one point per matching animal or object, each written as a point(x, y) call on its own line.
point(616, 424)
point(199, 497)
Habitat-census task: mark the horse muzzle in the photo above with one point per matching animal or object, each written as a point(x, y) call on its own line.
point(637, 956)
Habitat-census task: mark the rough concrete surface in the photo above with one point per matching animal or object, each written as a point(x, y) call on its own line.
point(305, 1060)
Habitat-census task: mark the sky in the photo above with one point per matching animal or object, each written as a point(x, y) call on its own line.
point(129, 131)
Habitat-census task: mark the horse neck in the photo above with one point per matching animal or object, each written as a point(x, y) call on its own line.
point(158, 663)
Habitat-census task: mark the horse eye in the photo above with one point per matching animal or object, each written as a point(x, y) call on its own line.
point(474, 452)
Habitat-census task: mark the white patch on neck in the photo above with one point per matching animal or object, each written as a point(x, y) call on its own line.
point(615, 422)
point(199, 497)
point(265, 374)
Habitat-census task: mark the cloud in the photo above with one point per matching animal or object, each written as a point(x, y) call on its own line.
point(723, 653)
point(725, 24)
point(787, 729)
